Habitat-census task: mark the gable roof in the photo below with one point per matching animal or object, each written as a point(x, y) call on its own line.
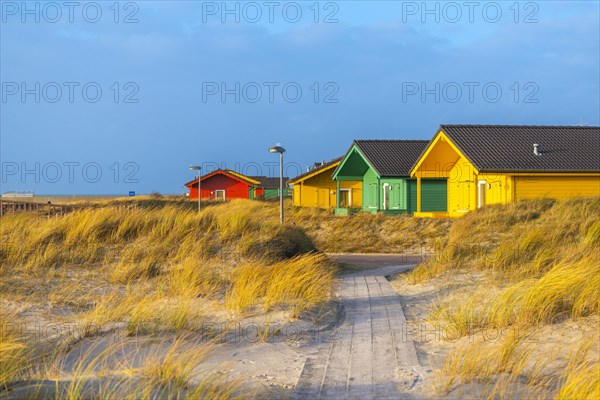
point(391, 157)
point(227, 172)
point(317, 170)
point(509, 148)
point(269, 183)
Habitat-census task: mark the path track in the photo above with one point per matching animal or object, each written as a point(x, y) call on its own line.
point(369, 357)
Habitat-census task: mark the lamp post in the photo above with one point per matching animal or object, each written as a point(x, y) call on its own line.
point(197, 168)
point(279, 149)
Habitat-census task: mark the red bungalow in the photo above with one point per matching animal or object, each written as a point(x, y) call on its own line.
point(223, 184)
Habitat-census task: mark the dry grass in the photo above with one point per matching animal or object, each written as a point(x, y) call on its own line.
point(531, 264)
point(297, 284)
point(513, 368)
point(581, 377)
point(474, 362)
point(544, 260)
point(149, 267)
point(13, 352)
point(158, 267)
point(158, 368)
point(367, 233)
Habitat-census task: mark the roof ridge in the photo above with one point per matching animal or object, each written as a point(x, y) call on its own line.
point(391, 140)
point(524, 126)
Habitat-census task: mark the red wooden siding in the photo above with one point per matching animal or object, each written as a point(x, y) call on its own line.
point(234, 188)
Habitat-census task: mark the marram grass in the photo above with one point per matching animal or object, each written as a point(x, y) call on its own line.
point(529, 265)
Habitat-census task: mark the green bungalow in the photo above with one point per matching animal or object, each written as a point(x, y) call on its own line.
point(383, 167)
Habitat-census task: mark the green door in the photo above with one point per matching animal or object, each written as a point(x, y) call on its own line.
point(434, 195)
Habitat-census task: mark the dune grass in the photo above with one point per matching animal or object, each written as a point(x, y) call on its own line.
point(298, 284)
point(367, 233)
point(543, 268)
point(511, 367)
point(154, 268)
point(581, 377)
point(157, 268)
point(161, 367)
point(13, 352)
point(520, 267)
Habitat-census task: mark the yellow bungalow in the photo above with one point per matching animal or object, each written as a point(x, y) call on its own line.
point(316, 188)
point(498, 164)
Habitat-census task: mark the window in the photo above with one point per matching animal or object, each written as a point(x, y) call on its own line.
point(220, 194)
point(345, 198)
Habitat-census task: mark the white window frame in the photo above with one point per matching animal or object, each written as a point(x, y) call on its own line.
point(224, 194)
point(349, 190)
point(481, 201)
point(388, 187)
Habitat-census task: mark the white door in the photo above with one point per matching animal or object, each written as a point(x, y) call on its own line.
point(386, 196)
point(481, 189)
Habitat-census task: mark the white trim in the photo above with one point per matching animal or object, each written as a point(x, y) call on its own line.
point(349, 190)
point(220, 190)
point(480, 184)
point(385, 200)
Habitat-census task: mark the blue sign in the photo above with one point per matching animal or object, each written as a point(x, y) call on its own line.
point(132, 194)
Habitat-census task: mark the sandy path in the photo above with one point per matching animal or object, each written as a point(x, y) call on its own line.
point(368, 358)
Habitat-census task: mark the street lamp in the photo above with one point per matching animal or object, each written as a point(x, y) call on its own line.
point(197, 168)
point(279, 149)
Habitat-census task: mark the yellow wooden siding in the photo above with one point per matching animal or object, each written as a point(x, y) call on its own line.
point(461, 187)
point(556, 187)
point(443, 160)
point(355, 193)
point(319, 191)
point(296, 195)
point(498, 188)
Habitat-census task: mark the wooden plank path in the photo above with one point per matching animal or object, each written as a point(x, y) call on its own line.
point(369, 357)
point(12, 206)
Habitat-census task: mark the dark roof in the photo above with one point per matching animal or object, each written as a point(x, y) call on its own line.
point(316, 169)
point(392, 157)
point(510, 148)
point(269, 183)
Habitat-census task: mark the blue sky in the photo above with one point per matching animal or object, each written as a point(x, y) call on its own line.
point(365, 69)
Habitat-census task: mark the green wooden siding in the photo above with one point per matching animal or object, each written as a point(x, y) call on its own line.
point(397, 195)
point(268, 194)
point(374, 194)
point(402, 196)
point(434, 195)
point(273, 193)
